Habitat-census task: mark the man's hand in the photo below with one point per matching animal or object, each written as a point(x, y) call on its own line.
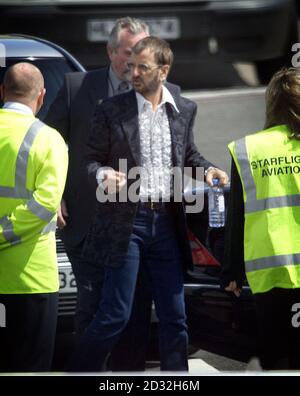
point(62, 213)
point(215, 173)
point(113, 181)
point(232, 287)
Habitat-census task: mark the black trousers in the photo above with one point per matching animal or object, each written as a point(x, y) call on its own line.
point(278, 331)
point(27, 340)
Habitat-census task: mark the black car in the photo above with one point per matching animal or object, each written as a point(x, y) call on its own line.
point(217, 320)
point(53, 61)
point(200, 31)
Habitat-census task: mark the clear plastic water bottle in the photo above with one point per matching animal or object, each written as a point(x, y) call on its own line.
point(216, 205)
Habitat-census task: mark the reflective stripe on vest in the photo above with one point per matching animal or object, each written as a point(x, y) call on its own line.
point(273, 261)
point(8, 232)
point(20, 191)
point(50, 227)
point(253, 204)
point(39, 210)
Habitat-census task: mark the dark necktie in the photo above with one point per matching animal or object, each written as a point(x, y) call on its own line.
point(123, 87)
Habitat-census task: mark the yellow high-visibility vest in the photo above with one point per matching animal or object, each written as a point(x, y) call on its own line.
point(268, 163)
point(33, 168)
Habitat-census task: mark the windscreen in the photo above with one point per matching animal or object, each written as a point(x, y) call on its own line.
point(53, 71)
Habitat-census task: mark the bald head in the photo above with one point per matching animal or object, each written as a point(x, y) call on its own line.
point(24, 83)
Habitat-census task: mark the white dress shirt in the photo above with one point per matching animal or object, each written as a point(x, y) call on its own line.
point(156, 148)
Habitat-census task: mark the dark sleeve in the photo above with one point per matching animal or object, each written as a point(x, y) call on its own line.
point(98, 145)
point(59, 112)
point(192, 156)
point(233, 263)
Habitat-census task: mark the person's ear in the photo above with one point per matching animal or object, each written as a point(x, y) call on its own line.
point(164, 71)
point(40, 99)
point(110, 51)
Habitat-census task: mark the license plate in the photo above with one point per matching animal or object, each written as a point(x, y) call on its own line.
point(165, 28)
point(67, 283)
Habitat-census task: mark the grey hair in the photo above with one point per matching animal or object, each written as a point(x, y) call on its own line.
point(133, 25)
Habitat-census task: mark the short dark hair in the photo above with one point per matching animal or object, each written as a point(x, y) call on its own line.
point(283, 100)
point(162, 51)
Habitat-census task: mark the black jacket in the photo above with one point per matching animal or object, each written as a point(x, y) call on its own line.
point(115, 135)
point(71, 114)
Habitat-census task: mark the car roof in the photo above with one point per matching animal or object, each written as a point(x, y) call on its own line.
point(17, 46)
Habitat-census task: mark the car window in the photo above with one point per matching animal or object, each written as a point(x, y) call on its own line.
point(53, 71)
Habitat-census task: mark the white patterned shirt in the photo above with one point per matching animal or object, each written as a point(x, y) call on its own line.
point(156, 148)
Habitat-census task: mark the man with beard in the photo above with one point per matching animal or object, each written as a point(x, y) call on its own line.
point(149, 128)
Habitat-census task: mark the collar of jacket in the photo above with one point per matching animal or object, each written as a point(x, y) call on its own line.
point(130, 125)
point(97, 83)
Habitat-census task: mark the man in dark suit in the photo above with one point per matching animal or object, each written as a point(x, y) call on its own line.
point(148, 128)
point(71, 114)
